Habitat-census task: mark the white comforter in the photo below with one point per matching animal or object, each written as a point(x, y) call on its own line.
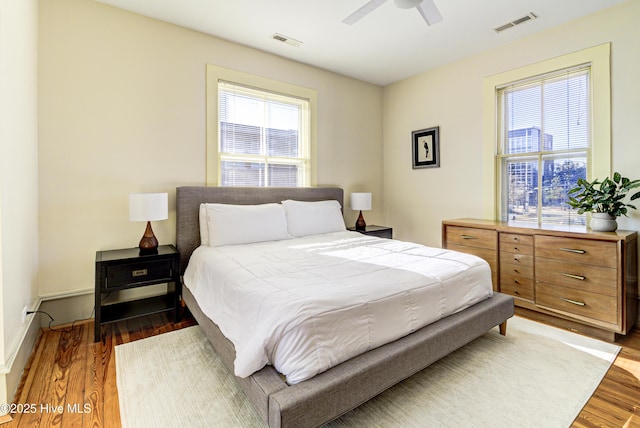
point(307, 304)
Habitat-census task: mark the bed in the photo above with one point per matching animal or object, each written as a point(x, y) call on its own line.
point(343, 387)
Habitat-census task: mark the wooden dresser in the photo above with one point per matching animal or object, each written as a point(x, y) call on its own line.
point(567, 276)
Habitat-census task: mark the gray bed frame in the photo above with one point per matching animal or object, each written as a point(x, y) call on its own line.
point(344, 387)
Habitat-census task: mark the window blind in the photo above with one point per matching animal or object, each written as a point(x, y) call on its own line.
point(264, 137)
point(544, 145)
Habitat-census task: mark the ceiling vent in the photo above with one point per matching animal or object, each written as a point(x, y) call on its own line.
point(515, 22)
point(285, 39)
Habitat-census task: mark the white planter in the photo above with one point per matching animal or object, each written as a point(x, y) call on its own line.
point(603, 222)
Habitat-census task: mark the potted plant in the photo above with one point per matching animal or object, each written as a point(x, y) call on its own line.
point(605, 199)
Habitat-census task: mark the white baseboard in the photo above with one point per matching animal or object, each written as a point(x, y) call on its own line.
point(18, 356)
point(65, 308)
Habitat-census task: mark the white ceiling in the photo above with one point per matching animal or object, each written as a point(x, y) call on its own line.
point(387, 45)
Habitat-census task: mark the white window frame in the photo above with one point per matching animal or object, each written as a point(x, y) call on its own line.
point(216, 74)
point(600, 90)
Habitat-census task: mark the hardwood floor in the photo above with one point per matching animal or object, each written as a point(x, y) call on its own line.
point(616, 402)
point(70, 380)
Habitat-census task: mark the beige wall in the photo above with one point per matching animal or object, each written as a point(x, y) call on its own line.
point(121, 106)
point(18, 186)
point(122, 109)
point(451, 97)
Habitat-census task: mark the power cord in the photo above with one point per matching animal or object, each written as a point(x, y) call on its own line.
point(61, 330)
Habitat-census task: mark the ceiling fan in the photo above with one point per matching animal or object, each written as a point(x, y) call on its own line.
point(427, 9)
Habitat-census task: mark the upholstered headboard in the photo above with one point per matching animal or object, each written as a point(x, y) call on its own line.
point(189, 198)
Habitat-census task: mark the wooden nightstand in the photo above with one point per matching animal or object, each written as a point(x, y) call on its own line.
point(126, 269)
point(373, 230)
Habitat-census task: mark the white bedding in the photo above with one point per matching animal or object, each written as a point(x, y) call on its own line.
point(306, 304)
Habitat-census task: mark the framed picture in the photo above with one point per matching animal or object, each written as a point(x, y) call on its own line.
point(425, 145)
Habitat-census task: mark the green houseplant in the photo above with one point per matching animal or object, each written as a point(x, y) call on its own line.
point(605, 199)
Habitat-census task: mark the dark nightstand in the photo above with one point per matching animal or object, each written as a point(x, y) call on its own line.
point(373, 230)
point(126, 269)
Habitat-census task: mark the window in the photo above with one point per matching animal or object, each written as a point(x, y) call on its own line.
point(546, 125)
point(264, 137)
point(543, 145)
point(260, 132)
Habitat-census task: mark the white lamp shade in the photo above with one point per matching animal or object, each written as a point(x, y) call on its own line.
point(361, 201)
point(148, 206)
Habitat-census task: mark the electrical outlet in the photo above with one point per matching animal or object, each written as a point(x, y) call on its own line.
point(24, 313)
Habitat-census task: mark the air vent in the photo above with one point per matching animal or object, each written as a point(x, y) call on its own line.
point(285, 39)
point(515, 22)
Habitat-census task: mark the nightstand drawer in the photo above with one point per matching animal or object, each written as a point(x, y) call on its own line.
point(132, 274)
point(373, 230)
point(386, 233)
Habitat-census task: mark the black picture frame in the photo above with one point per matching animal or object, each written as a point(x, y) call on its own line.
point(425, 145)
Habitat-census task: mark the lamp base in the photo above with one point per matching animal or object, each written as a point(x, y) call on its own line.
point(148, 244)
point(360, 223)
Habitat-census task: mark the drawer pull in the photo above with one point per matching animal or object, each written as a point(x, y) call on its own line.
point(573, 250)
point(570, 275)
point(573, 302)
point(139, 272)
point(468, 237)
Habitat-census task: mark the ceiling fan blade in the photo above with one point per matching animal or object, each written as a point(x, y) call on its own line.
point(429, 12)
point(369, 7)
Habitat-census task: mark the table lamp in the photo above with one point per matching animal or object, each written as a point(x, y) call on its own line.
point(361, 202)
point(148, 207)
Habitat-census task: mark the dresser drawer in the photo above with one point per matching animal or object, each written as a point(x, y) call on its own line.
point(578, 302)
point(516, 248)
point(516, 239)
point(515, 285)
point(589, 278)
point(523, 270)
point(132, 274)
point(517, 259)
point(471, 237)
point(588, 252)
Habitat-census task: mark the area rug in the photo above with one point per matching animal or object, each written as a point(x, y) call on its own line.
point(176, 380)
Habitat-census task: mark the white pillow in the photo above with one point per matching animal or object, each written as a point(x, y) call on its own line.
point(242, 224)
point(204, 227)
point(312, 218)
